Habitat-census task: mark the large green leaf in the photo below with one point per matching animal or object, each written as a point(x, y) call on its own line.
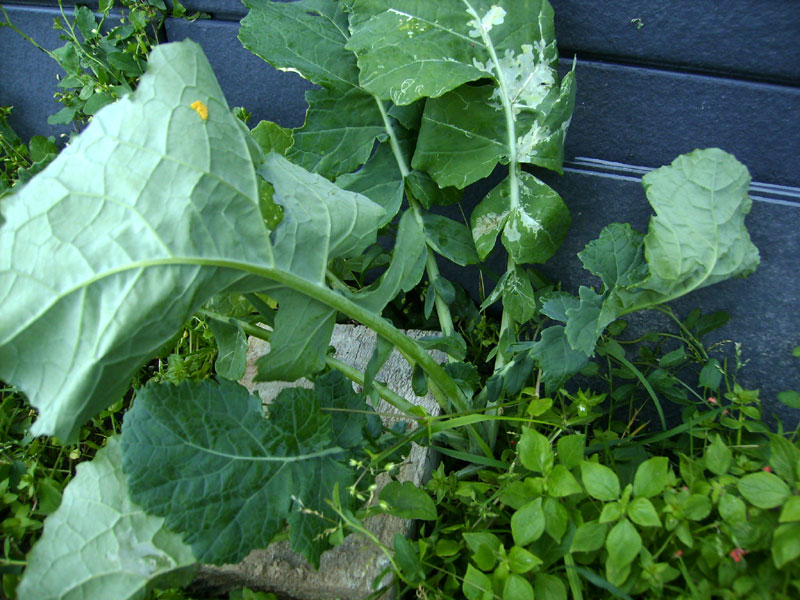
point(339, 132)
point(99, 544)
point(309, 37)
point(204, 456)
point(306, 37)
point(532, 227)
point(321, 222)
point(696, 238)
point(108, 251)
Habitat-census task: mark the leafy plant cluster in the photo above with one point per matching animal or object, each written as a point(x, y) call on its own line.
point(589, 505)
point(203, 216)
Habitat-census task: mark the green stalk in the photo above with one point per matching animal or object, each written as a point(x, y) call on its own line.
point(513, 164)
point(351, 373)
point(442, 310)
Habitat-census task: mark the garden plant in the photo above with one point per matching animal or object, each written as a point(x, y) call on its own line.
point(167, 207)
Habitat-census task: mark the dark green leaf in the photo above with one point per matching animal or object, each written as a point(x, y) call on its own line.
point(571, 449)
point(718, 456)
point(517, 588)
point(556, 357)
point(203, 456)
point(485, 548)
point(271, 137)
point(535, 452)
point(518, 297)
point(477, 586)
point(521, 561)
point(562, 483)
point(418, 382)
point(380, 180)
point(555, 519)
point(549, 587)
point(231, 348)
point(450, 239)
point(642, 512)
point(407, 558)
point(308, 37)
point(784, 457)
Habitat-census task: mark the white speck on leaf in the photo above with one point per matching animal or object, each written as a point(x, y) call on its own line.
point(495, 16)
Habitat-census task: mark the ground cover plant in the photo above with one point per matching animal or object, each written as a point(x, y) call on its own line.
point(184, 211)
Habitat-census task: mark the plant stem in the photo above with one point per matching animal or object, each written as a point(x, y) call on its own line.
point(444, 387)
point(507, 322)
point(442, 310)
point(351, 373)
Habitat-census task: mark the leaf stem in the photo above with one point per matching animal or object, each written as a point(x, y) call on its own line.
point(513, 163)
point(351, 373)
point(445, 389)
point(442, 310)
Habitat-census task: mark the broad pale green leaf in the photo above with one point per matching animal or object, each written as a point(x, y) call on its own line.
point(306, 37)
point(407, 501)
point(696, 238)
point(764, 490)
point(321, 222)
point(203, 456)
point(108, 251)
point(450, 239)
point(600, 481)
point(557, 359)
point(99, 544)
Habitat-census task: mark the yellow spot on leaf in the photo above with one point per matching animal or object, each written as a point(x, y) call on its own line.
point(201, 109)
